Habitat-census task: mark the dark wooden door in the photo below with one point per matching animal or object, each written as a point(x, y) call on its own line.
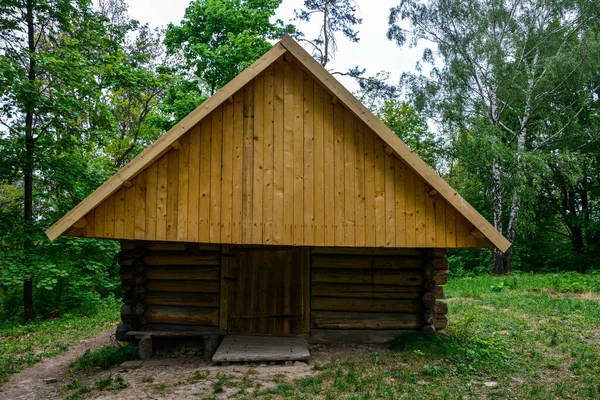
point(265, 287)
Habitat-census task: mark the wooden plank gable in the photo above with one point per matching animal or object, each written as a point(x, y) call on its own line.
point(282, 163)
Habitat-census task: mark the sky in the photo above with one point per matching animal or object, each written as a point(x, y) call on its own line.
point(373, 52)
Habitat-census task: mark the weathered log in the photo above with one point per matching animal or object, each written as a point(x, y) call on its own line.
point(366, 291)
point(183, 286)
point(145, 348)
point(183, 299)
point(121, 332)
point(349, 320)
point(440, 263)
point(355, 335)
point(140, 309)
point(429, 317)
point(183, 273)
point(126, 313)
point(140, 291)
point(181, 315)
point(429, 271)
point(438, 291)
point(428, 328)
point(138, 266)
point(429, 300)
point(378, 277)
point(203, 258)
point(441, 277)
point(441, 307)
point(131, 245)
point(365, 262)
point(139, 279)
point(377, 251)
point(373, 305)
point(441, 322)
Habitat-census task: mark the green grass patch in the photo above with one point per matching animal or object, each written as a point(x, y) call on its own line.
point(23, 345)
point(77, 391)
point(103, 358)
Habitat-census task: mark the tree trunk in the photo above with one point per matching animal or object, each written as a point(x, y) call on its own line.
point(497, 197)
point(28, 243)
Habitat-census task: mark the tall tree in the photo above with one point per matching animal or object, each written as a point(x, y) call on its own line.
point(53, 61)
point(496, 66)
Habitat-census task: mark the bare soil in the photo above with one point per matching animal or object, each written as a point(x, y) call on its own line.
point(172, 378)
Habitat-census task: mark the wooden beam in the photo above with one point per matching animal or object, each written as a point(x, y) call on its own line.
point(432, 192)
point(388, 149)
point(176, 145)
point(230, 99)
point(127, 184)
point(81, 223)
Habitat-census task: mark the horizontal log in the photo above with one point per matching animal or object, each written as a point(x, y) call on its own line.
point(441, 277)
point(366, 291)
point(441, 307)
point(379, 251)
point(429, 317)
point(182, 299)
point(355, 335)
point(182, 315)
point(176, 272)
point(182, 286)
point(358, 305)
point(346, 320)
point(365, 262)
point(134, 244)
point(204, 258)
point(121, 332)
point(441, 322)
point(440, 263)
point(383, 277)
point(126, 313)
point(439, 292)
point(182, 328)
point(429, 300)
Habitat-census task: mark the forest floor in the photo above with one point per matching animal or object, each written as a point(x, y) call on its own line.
point(520, 336)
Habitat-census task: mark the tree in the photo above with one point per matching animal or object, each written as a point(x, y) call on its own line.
point(54, 63)
point(503, 63)
point(337, 16)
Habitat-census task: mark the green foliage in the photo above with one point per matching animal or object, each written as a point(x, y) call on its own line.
point(103, 358)
point(76, 390)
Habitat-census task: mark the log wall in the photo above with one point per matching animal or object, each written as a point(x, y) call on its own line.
point(376, 294)
point(356, 294)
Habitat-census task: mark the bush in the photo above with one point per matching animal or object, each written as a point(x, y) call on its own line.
point(104, 358)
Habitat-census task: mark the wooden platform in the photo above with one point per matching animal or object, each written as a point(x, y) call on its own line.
point(237, 348)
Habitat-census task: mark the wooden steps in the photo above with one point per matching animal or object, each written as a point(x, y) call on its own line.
point(238, 348)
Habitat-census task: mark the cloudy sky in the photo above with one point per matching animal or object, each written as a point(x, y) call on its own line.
point(374, 51)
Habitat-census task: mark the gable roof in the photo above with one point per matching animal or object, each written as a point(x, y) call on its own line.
point(286, 46)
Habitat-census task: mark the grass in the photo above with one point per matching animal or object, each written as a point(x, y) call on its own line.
point(103, 358)
point(76, 390)
point(520, 336)
point(22, 346)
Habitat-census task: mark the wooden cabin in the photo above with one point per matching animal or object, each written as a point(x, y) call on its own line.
point(281, 205)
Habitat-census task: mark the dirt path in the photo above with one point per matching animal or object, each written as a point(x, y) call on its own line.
point(30, 384)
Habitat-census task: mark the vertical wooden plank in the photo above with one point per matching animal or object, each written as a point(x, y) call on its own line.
point(109, 217)
point(420, 232)
point(151, 200)
point(120, 213)
point(399, 171)
point(99, 219)
point(461, 239)
point(306, 289)
point(338, 171)
point(227, 173)
point(450, 226)
point(238, 153)
point(287, 290)
point(298, 156)
point(349, 180)
point(267, 196)
point(359, 183)
point(429, 219)
point(257, 167)
point(390, 201)
point(278, 154)
point(409, 195)
point(194, 184)
point(88, 230)
point(370, 222)
point(215, 175)
point(247, 163)
point(172, 199)
point(440, 221)
point(288, 154)
point(162, 193)
point(309, 186)
point(380, 203)
point(140, 205)
point(129, 212)
point(319, 173)
point(182, 198)
point(205, 161)
point(224, 287)
point(328, 169)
